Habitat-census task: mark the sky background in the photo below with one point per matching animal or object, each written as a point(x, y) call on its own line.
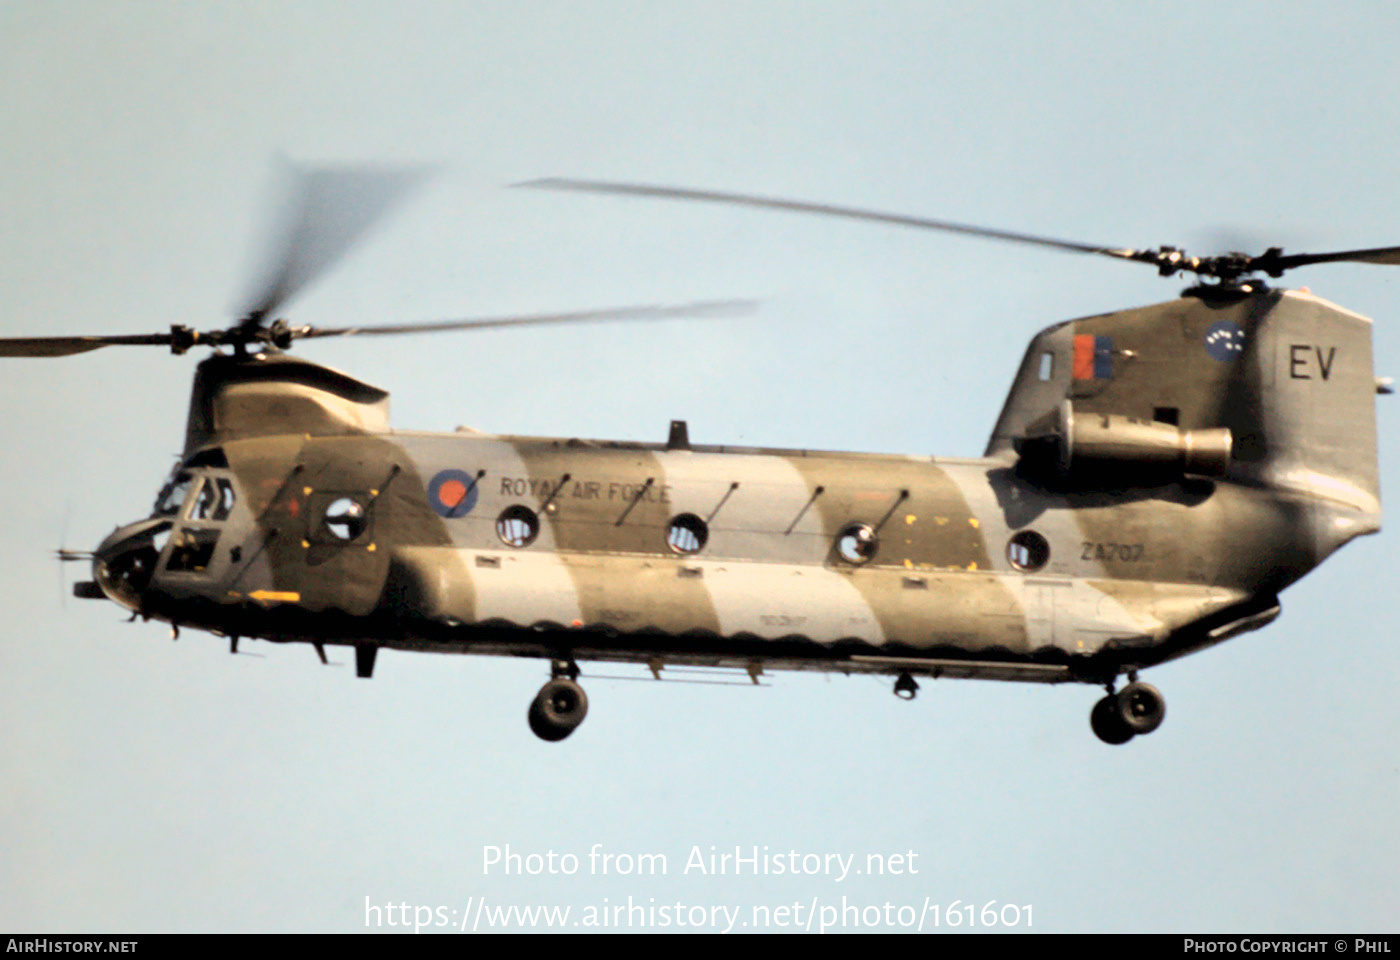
point(153, 786)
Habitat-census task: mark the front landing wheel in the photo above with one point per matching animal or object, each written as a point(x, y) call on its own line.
point(558, 708)
point(1108, 723)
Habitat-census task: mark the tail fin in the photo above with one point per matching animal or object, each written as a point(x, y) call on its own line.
point(1289, 375)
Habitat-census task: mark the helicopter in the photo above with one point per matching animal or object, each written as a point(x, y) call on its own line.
point(1157, 476)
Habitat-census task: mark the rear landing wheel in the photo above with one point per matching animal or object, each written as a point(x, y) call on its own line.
point(558, 708)
point(1141, 707)
point(1108, 723)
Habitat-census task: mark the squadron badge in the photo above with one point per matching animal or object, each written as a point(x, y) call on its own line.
point(1224, 341)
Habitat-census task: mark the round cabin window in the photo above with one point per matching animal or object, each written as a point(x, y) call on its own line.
point(345, 519)
point(857, 543)
point(518, 526)
point(1028, 551)
point(687, 534)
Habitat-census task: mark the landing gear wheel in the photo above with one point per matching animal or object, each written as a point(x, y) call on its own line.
point(558, 708)
point(1141, 707)
point(1107, 723)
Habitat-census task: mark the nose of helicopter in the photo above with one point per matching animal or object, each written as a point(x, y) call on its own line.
point(123, 563)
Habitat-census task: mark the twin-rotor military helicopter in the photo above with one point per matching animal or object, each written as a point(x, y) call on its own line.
point(1156, 477)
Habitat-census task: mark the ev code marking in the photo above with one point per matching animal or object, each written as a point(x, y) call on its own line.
point(1301, 365)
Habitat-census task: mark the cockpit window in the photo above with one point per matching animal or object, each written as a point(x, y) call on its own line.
point(205, 502)
point(214, 500)
point(193, 550)
point(226, 499)
point(172, 495)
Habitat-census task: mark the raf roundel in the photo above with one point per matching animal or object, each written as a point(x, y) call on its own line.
point(452, 493)
point(1224, 341)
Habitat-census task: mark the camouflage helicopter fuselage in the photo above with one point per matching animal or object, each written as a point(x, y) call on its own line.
point(1156, 477)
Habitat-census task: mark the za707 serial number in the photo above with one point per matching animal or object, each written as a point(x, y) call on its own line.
point(958, 914)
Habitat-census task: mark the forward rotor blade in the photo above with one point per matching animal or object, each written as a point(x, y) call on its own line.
point(824, 209)
point(68, 346)
point(326, 211)
point(704, 309)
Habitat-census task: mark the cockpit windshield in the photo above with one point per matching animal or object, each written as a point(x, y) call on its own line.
point(172, 495)
point(213, 500)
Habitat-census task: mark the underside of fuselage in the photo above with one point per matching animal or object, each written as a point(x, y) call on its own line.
point(402, 628)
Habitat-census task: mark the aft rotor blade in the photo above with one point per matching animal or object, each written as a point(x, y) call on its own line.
point(1276, 265)
point(824, 209)
point(69, 346)
point(703, 309)
point(325, 212)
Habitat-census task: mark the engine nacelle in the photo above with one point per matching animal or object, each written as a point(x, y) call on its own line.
point(1086, 444)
